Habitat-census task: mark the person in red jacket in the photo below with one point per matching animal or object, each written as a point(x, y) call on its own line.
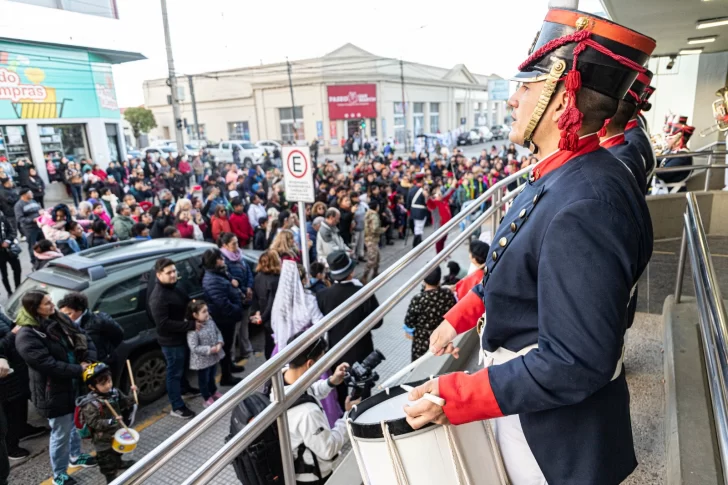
point(240, 224)
point(442, 204)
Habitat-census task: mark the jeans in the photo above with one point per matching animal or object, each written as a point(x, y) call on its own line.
point(71, 243)
point(199, 178)
point(206, 380)
point(33, 235)
point(77, 194)
point(65, 443)
point(175, 357)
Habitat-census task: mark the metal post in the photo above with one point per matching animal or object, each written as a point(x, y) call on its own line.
point(707, 174)
point(498, 209)
point(293, 103)
point(194, 106)
point(289, 472)
point(172, 80)
point(681, 267)
point(404, 108)
point(304, 237)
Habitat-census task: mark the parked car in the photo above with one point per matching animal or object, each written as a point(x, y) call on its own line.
point(159, 151)
point(500, 131)
point(469, 137)
point(485, 133)
point(249, 154)
point(132, 153)
point(269, 145)
point(114, 277)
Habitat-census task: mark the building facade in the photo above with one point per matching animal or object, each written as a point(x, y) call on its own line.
point(334, 96)
point(57, 95)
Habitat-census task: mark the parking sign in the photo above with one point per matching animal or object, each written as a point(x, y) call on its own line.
point(298, 174)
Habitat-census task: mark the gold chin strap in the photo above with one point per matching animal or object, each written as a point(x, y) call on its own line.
point(557, 69)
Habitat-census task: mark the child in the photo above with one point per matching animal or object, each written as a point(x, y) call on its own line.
point(100, 212)
point(260, 240)
point(44, 251)
point(205, 350)
point(454, 274)
point(101, 422)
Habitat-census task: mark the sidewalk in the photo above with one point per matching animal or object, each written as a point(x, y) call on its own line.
point(155, 424)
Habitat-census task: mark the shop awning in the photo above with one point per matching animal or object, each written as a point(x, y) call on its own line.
point(113, 56)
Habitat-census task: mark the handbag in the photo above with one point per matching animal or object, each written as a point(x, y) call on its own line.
point(15, 249)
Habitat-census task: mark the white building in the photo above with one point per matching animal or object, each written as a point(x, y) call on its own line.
point(334, 96)
point(57, 95)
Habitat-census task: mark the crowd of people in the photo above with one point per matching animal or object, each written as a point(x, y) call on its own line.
point(361, 206)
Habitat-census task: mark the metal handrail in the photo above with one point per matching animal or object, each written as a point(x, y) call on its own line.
point(270, 370)
point(713, 323)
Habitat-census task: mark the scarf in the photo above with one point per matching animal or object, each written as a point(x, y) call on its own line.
point(235, 257)
point(289, 314)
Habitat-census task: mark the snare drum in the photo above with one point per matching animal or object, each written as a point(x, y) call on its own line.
point(389, 451)
point(125, 442)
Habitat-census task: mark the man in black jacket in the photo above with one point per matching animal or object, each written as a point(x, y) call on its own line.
point(7, 238)
point(342, 269)
point(106, 334)
point(168, 305)
point(163, 218)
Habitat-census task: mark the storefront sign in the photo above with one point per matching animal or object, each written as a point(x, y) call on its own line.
point(39, 82)
point(352, 101)
point(499, 89)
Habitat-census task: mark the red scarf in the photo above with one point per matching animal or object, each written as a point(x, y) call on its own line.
point(586, 144)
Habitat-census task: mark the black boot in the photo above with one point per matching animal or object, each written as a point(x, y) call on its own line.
point(416, 241)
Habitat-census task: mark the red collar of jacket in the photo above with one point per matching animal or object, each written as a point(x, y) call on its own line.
point(613, 141)
point(632, 124)
point(587, 144)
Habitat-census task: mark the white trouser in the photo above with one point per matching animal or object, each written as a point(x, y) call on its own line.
point(419, 226)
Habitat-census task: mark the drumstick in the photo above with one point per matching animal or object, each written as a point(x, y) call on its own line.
point(116, 416)
point(131, 379)
point(405, 370)
point(433, 399)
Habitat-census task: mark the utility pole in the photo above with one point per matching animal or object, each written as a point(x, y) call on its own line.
point(194, 106)
point(172, 82)
point(404, 106)
point(293, 103)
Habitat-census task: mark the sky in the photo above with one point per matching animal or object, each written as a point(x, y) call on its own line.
point(488, 36)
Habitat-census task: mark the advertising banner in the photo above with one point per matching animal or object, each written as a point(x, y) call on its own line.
point(352, 101)
point(38, 82)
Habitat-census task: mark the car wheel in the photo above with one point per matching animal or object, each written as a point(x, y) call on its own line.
point(150, 374)
point(248, 163)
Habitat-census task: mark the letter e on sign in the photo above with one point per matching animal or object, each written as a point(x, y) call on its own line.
point(298, 174)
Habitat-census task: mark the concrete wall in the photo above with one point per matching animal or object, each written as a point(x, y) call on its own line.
point(667, 213)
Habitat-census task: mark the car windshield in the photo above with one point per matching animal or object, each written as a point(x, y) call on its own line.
point(248, 146)
point(55, 293)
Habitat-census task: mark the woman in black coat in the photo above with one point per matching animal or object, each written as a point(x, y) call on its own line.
point(14, 393)
point(36, 185)
point(57, 353)
point(265, 285)
point(225, 303)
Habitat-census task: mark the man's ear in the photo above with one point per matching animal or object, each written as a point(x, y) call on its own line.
point(559, 101)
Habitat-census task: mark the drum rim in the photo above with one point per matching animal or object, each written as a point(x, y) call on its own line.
point(397, 427)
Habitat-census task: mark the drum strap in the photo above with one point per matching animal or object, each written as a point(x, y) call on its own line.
point(357, 453)
point(394, 457)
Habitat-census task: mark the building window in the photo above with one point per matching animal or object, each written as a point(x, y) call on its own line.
point(237, 130)
point(201, 126)
point(290, 132)
point(434, 117)
point(400, 134)
point(418, 117)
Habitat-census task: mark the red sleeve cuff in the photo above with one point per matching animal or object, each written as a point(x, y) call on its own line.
point(468, 397)
point(465, 314)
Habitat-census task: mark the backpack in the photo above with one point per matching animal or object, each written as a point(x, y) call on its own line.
point(261, 463)
point(80, 423)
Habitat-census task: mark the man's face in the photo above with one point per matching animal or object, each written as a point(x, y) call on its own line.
point(523, 102)
point(71, 313)
point(77, 231)
point(146, 219)
point(168, 275)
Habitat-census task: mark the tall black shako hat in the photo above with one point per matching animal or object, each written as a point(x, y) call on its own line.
point(581, 50)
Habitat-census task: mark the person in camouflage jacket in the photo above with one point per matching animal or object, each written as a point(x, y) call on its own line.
point(100, 421)
point(373, 231)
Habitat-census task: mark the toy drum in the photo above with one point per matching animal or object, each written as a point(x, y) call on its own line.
point(125, 441)
point(388, 451)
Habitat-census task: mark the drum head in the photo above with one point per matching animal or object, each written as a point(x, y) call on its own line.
point(397, 426)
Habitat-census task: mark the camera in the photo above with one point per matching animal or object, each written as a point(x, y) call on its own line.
point(361, 376)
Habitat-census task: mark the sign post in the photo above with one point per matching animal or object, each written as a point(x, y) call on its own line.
point(299, 184)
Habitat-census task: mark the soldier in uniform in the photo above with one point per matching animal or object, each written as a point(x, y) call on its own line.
point(636, 132)
point(373, 231)
point(613, 137)
point(678, 135)
point(557, 283)
point(417, 206)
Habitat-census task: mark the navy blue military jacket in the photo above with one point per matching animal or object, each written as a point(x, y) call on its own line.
point(636, 135)
point(674, 177)
point(416, 203)
point(630, 155)
point(563, 263)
